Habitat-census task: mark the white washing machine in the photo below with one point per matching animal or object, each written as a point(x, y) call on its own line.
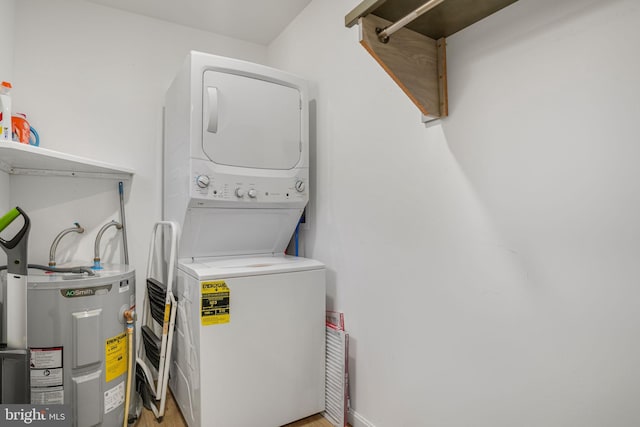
point(251, 338)
point(249, 346)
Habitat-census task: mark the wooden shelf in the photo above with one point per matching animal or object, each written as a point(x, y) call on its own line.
point(442, 21)
point(415, 56)
point(21, 159)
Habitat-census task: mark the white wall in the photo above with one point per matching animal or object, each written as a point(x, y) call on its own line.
point(7, 9)
point(7, 13)
point(92, 82)
point(487, 266)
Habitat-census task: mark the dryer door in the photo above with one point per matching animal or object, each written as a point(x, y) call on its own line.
point(249, 122)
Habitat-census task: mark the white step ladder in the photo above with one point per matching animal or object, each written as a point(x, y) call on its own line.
point(158, 321)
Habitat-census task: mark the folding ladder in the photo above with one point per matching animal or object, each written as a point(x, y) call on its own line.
point(157, 324)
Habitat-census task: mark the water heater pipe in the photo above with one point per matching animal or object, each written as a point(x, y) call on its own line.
point(130, 318)
point(125, 247)
point(75, 270)
point(77, 228)
point(96, 246)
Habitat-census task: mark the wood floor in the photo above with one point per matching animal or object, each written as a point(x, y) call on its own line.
point(173, 418)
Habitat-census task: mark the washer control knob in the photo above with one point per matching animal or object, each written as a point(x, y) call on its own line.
point(252, 193)
point(202, 181)
point(239, 192)
point(300, 186)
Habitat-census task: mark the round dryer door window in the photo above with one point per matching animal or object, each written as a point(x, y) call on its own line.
point(249, 122)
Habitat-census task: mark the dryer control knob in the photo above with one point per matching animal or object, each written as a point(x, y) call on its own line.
point(300, 186)
point(252, 193)
point(202, 181)
point(239, 192)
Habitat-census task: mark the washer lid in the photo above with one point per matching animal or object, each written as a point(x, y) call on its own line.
point(224, 268)
point(248, 122)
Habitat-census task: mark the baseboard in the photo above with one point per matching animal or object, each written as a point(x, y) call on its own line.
point(357, 420)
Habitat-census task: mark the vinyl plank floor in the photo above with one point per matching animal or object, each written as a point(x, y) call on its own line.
point(173, 418)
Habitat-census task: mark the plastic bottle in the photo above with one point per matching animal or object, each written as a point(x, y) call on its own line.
point(5, 111)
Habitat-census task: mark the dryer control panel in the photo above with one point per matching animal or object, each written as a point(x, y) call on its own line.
point(209, 187)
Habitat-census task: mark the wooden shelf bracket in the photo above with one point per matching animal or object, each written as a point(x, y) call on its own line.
point(416, 55)
point(415, 62)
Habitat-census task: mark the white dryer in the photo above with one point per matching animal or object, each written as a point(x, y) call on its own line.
point(250, 343)
point(236, 156)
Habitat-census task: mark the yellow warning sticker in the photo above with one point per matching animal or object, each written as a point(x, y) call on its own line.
point(115, 356)
point(214, 303)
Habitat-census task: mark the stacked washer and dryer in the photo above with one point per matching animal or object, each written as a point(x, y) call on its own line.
point(249, 344)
